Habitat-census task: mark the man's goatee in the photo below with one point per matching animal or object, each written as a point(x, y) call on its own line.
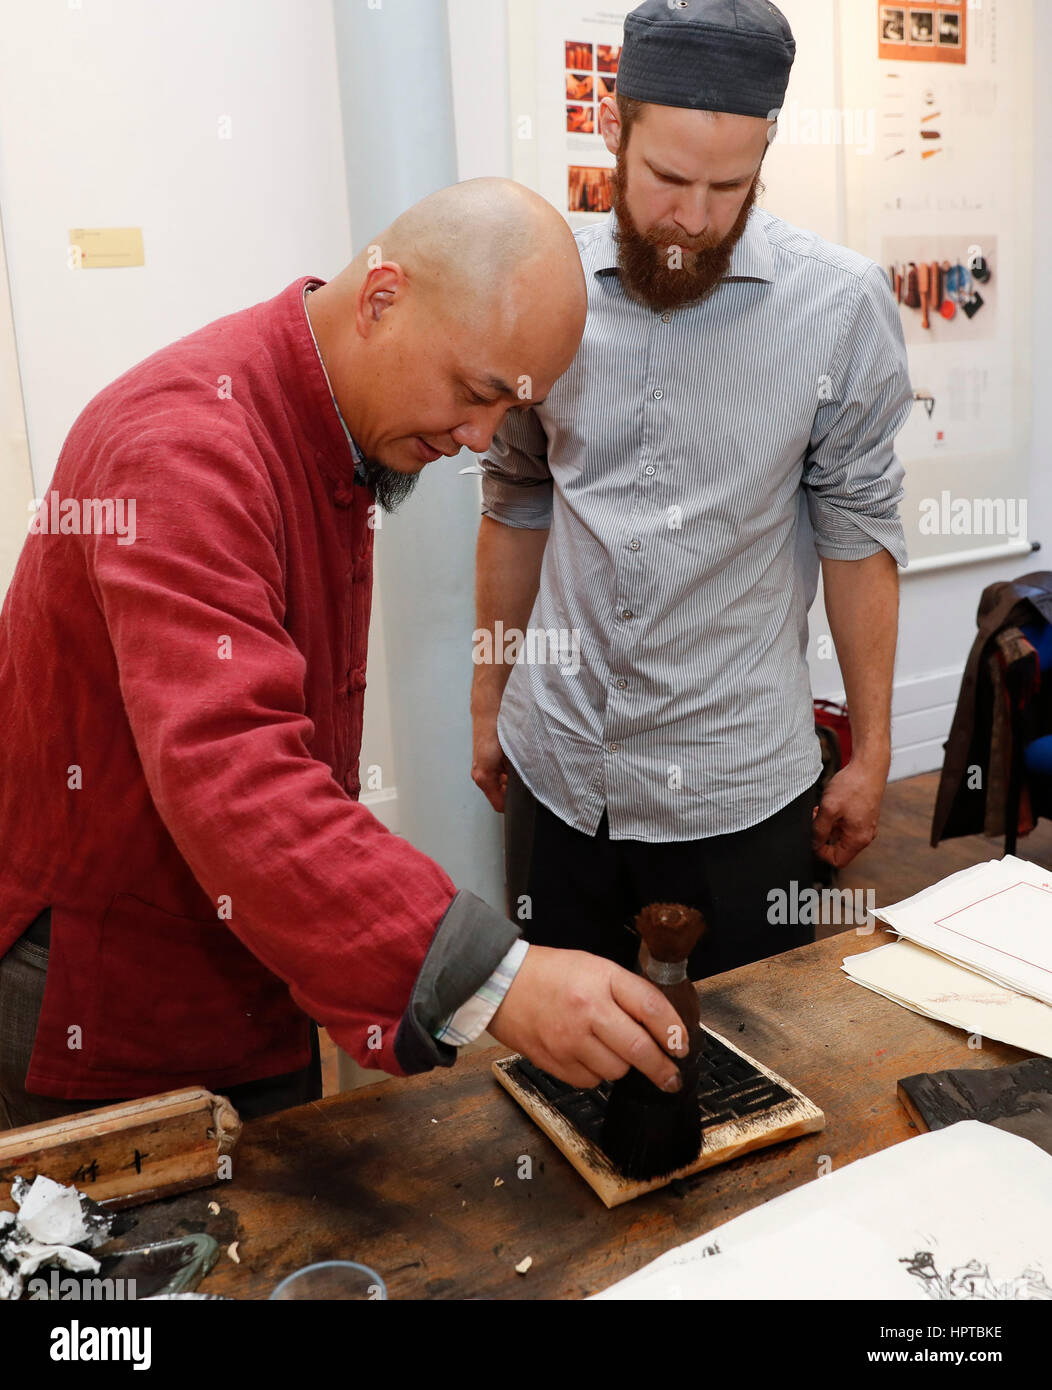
point(389, 487)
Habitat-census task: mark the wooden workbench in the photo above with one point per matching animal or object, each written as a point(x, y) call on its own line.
point(401, 1176)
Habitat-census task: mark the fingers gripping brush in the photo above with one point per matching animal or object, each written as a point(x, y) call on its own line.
point(649, 1133)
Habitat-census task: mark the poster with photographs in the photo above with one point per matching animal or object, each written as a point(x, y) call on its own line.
point(591, 75)
point(564, 59)
point(947, 285)
point(943, 201)
point(935, 33)
point(571, 49)
point(925, 169)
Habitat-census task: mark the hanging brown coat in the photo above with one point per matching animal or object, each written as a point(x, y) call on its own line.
point(977, 738)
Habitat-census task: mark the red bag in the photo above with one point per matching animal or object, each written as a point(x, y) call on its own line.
point(833, 728)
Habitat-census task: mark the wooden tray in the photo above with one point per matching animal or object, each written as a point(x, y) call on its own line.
point(742, 1105)
point(125, 1154)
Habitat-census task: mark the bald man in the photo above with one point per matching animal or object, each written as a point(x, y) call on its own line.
point(182, 673)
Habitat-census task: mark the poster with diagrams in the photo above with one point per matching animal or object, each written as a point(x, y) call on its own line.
point(906, 135)
point(943, 203)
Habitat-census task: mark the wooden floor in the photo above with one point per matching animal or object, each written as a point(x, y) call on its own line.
point(899, 862)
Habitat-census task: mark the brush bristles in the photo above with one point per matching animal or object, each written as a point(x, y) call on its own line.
point(649, 1133)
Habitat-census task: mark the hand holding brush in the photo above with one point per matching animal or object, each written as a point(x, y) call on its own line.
point(649, 1133)
point(584, 1019)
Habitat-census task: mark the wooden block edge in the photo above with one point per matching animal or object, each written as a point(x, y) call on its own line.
point(195, 1129)
point(55, 1132)
point(905, 1100)
point(791, 1119)
point(551, 1123)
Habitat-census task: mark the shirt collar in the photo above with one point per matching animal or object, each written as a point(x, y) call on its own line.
point(751, 258)
point(356, 453)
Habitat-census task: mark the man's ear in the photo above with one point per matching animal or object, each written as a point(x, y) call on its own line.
point(381, 289)
point(610, 124)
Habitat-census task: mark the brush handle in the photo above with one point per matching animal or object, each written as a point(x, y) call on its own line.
point(670, 977)
point(684, 999)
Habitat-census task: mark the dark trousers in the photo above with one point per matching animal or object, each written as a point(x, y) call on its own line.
point(583, 891)
point(22, 974)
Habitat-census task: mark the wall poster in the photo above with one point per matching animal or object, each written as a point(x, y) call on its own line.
point(906, 134)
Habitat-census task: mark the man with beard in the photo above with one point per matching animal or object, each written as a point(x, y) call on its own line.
point(186, 862)
point(729, 419)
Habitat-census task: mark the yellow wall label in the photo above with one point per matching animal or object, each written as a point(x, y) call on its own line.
point(102, 248)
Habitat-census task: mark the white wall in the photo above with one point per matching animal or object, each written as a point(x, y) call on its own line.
point(478, 35)
point(937, 612)
point(16, 482)
point(1041, 360)
point(116, 113)
point(110, 116)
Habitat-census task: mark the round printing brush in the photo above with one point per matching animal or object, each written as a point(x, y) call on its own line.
point(648, 1133)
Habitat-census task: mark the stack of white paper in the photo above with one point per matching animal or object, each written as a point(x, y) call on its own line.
point(977, 953)
point(964, 1212)
point(995, 918)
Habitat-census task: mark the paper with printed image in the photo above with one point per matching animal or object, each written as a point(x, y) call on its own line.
point(962, 1213)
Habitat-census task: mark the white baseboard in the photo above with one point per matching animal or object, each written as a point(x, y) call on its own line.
point(921, 714)
point(383, 794)
point(384, 805)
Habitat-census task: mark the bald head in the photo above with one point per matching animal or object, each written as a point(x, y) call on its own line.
point(469, 304)
point(485, 242)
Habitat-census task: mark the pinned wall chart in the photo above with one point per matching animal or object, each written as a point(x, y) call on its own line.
point(906, 134)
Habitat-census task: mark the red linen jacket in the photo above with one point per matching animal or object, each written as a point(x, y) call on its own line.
point(181, 715)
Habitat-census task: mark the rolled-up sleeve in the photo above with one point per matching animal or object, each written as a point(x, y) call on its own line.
point(852, 475)
point(516, 480)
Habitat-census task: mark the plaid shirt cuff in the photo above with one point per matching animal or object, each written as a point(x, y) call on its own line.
point(471, 1018)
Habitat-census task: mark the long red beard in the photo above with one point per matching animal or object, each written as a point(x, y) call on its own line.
point(649, 270)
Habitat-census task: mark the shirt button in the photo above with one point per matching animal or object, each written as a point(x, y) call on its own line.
point(658, 395)
point(650, 470)
point(633, 544)
point(627, 613)
point(614, 747)
point(622, 684)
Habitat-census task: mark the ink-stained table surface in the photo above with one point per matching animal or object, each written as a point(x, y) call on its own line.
point(402, 1176)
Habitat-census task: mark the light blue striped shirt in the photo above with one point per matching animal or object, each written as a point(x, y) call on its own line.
point(692, 466)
